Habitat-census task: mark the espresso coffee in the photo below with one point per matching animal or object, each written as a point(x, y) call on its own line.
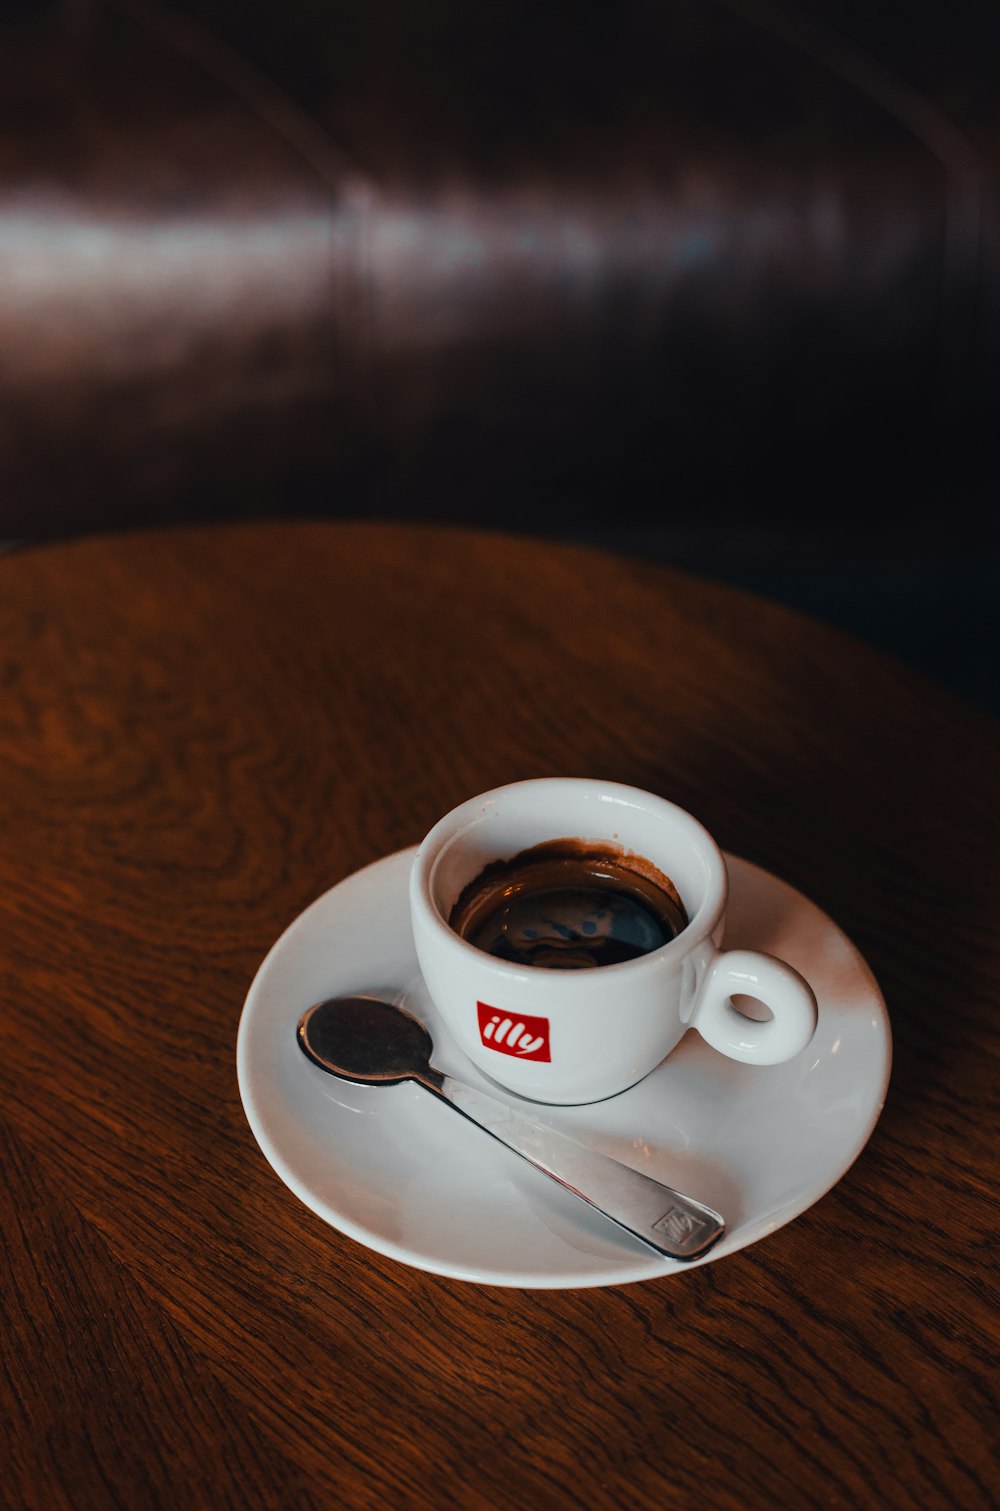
point(569, 905)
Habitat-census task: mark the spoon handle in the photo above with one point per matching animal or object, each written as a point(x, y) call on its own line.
point(670, 1223)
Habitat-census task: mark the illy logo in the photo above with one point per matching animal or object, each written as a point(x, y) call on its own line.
point(524, 1037)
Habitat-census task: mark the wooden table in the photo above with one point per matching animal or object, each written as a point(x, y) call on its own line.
point(201, 731)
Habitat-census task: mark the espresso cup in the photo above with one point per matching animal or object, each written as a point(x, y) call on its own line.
point(572, 1036)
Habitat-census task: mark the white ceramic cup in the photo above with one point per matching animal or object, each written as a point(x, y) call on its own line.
point(581, 1035)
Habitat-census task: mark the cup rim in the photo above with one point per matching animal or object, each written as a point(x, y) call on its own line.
point(700, 926)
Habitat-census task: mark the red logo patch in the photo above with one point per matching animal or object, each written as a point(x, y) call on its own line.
point(519, 1035)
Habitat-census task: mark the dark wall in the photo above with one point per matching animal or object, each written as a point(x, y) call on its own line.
point(719, 272)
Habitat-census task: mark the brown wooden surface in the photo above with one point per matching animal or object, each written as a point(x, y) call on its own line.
point(201, 731)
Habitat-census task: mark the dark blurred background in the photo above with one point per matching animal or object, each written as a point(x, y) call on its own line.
point(718, 283)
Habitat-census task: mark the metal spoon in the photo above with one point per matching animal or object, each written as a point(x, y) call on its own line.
point(370, 1042)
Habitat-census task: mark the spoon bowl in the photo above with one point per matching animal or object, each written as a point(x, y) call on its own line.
point(365, 1041)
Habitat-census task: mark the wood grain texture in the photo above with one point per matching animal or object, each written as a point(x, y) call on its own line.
point(202, 730)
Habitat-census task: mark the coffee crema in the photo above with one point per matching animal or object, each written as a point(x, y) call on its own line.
point(569, 904)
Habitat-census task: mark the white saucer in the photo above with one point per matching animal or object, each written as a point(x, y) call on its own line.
point(401, 1173)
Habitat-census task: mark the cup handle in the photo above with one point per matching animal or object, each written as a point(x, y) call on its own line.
point(772, 982)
